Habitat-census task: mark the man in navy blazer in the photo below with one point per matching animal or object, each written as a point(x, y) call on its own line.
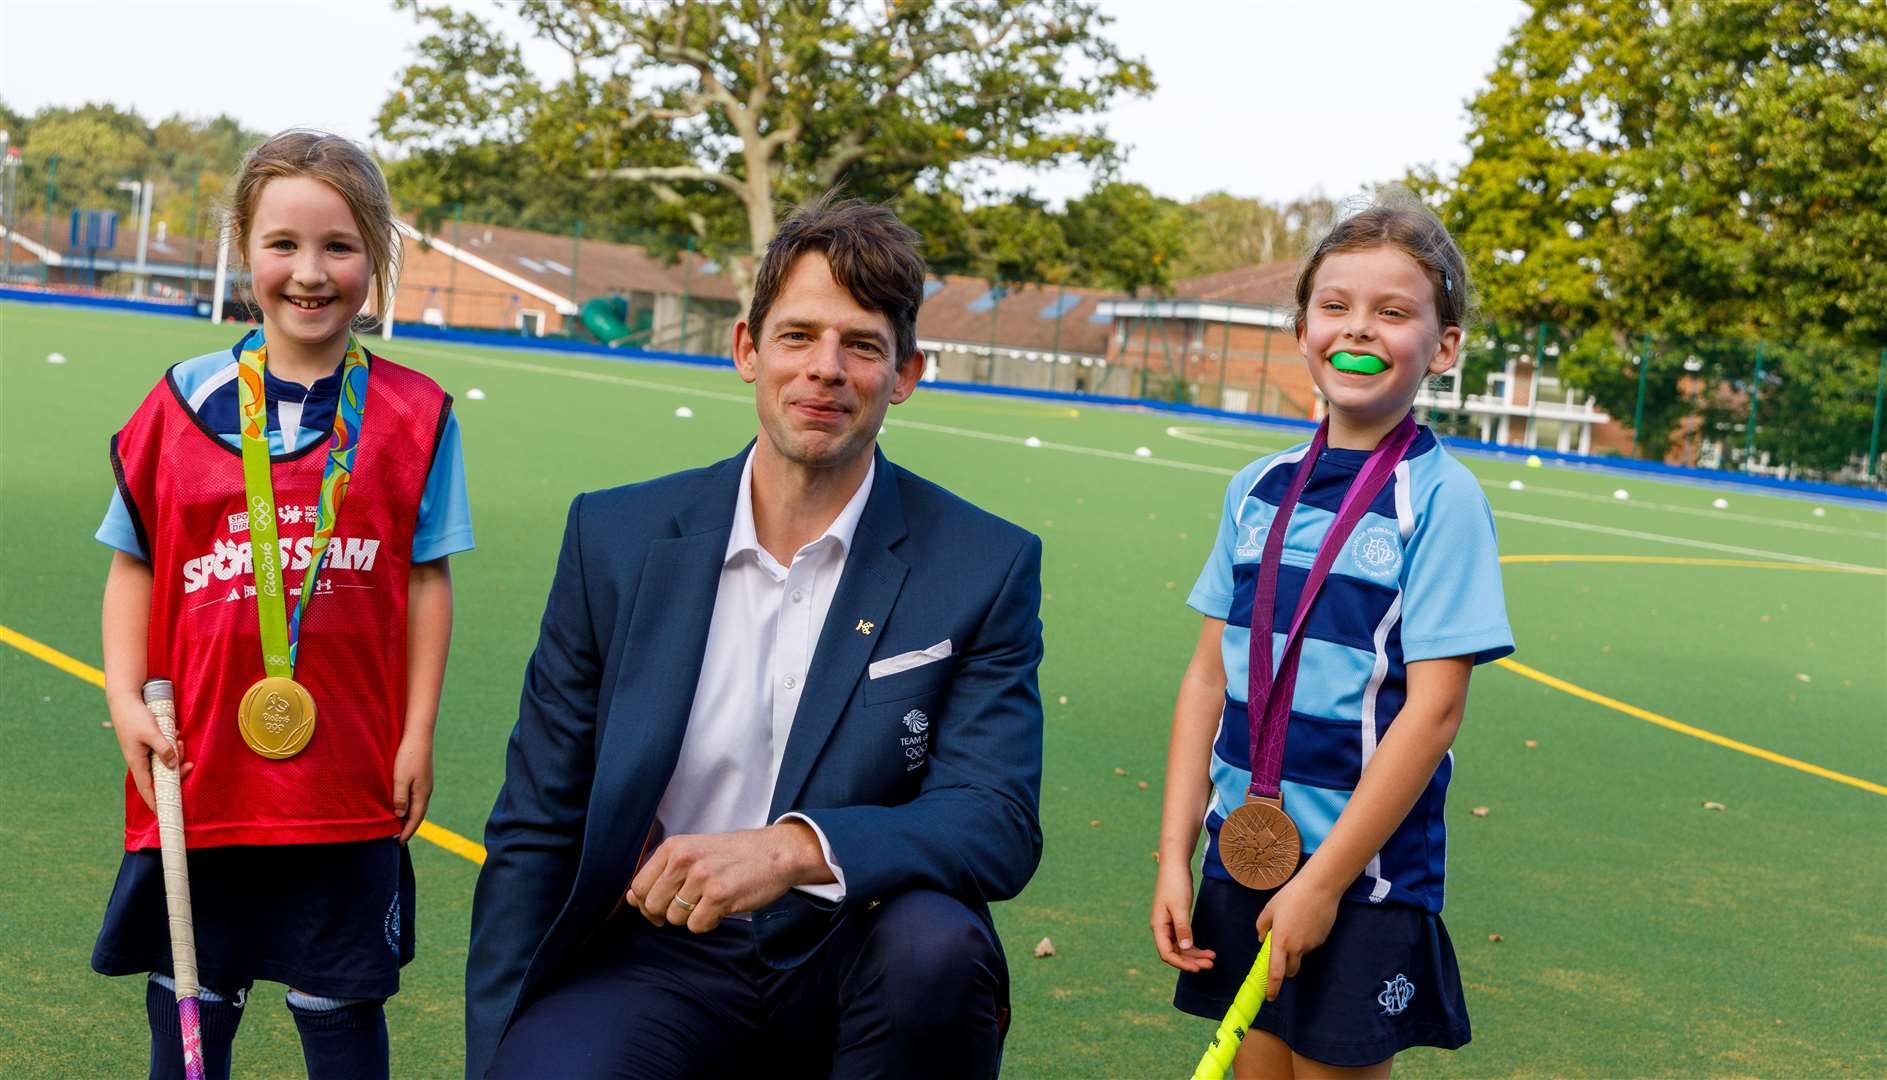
point(780, 742)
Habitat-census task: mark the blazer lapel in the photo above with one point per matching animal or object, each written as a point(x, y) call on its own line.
point(662, 651)
point(860, 607)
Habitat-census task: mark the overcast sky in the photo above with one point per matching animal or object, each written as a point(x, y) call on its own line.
point(1260, 97)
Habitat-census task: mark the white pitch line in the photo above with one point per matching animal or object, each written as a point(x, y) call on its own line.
point(1116, 455)
point(1705, 545)
point(1191, 435)
point(1722, 515)
point(588, 376)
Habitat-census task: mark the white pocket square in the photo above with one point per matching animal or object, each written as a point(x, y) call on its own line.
point(891, 665)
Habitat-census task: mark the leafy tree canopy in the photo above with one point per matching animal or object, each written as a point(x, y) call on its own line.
point(1701, 172)
point(187, 160)
point(713, 115)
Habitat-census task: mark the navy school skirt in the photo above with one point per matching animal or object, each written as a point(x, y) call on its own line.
point(333, 920)
point(1384, 981)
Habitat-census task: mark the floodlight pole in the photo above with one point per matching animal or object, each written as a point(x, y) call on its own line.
point(222, 273)
point(1061, 288)
point(995, 302)
point(1264, 370)
point(1225, 354)
point(1880, 393)
point(1755, 396)
point(7, 160)
point(52, 193)
point(391, 292)
point(141, 206)
point(1638, 411)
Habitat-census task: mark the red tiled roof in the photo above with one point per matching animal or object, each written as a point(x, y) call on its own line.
point(1272, 284)
point(600, 267)
point(1020, 323)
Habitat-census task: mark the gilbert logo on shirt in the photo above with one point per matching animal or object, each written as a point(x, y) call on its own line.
point(1251, 542)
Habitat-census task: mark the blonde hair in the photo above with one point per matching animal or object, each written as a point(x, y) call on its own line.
point(343, 166)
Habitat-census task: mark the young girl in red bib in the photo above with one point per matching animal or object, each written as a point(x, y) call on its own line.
point(1352, 587)
point(282, 521)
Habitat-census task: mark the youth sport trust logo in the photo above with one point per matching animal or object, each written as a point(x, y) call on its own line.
point(1377, 552)
point(1396, 995)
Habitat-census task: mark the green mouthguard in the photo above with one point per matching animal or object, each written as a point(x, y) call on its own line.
point(1361, 365)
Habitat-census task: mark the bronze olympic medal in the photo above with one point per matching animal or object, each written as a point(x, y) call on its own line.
point(1259, 844)
point(277, 717)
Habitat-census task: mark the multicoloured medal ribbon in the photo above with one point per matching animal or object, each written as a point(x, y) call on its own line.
point(1259, 843)
point(277, 715)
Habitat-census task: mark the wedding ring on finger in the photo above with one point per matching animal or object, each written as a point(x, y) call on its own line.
point(683, 904)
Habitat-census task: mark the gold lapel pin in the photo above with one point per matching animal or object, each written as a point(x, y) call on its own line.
point(863, 627)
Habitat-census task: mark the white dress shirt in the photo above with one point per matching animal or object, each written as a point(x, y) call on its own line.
point(761, 639)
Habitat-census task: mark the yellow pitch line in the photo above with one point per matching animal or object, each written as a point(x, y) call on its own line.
point(445, 838)
point(1685, 729)
point(1681, 560)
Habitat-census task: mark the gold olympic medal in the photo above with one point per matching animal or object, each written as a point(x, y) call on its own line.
point(277, 717)
point(1259, 844)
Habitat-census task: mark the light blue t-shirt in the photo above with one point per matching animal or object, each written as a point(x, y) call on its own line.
point(1418, 579)
point(298, 416)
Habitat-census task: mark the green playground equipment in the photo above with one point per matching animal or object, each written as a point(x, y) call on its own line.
point(607, 317)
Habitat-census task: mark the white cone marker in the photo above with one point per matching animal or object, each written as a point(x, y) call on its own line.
point(1621, 494)
point(1142, 451)
point(1516, 485)
point(1721, 504)
point(683, 412)
point(475, 394)
point(1032, 443)
point(56, 358)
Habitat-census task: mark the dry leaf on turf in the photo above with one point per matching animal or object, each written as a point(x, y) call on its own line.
point(1142, 785)
point(1715, 806)
point(1532, 744)
point(1496, 938)
point(1801, 677)
point(1095, 824)
point(1043, 948)
point(1118, 771)
point(1479, 811)
point(1156, 856)
point(1064, 699)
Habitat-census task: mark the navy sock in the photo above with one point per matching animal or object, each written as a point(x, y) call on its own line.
point(217, 1019)
point(340, 1039)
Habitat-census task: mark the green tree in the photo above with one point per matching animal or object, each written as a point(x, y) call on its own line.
point(1125, 237)
point(188, 163)
point(1695, 171)
point(724, 111)
point(1233, 231)
point(98, 146)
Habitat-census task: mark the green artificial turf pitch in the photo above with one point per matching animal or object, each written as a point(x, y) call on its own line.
point(1639, 933)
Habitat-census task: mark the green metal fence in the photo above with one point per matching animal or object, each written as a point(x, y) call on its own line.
point(1778, 408)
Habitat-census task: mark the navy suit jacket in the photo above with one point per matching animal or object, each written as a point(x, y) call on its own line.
point(608, 691)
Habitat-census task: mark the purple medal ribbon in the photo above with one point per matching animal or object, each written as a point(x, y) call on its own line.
point(1268, 702)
